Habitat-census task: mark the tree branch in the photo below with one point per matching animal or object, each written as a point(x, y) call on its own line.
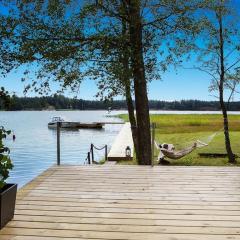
point(217, 97)
point(231, 94)
point(158, 20)
point(230, 53)
point(203, 70)
point(112, 13)
point(234, 64)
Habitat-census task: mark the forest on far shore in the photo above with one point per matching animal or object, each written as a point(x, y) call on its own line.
point(58, 102)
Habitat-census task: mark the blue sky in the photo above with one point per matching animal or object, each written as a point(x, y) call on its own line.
point(185, 84)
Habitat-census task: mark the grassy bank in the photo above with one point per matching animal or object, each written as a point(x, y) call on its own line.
point(182, 130)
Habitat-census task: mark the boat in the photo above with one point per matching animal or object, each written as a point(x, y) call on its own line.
point(64, 124)
point(70, 124)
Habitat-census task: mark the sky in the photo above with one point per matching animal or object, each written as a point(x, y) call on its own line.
point(183, 84)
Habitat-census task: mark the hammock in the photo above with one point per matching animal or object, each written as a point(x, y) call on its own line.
point(179, 154)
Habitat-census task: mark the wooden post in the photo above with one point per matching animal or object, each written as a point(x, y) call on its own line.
point(105, 152)
point(89, 158)
point(58, 142)
point(92, 152)
point(153, 139)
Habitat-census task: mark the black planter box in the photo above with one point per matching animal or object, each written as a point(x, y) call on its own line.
point(7, 203)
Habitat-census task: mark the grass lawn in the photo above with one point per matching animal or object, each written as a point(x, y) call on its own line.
point(182, 130)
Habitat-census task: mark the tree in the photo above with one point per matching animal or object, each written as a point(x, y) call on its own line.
point(140, 83)
point(56, 38)
point(219, 56)
point(138, 48)
point(6, 65)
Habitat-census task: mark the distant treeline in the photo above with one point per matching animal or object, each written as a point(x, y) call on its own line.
point(60, 102)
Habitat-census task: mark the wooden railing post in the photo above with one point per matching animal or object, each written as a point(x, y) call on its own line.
point(106, 152)
point(58, 142)
point(153, 139)
point(92, 153)
point(89, 158)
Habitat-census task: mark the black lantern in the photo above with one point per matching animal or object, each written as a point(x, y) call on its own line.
point(128, 152)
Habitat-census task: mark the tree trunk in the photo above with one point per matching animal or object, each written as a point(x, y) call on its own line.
point(140, 85)
point(126, 81)
point(132, 119)
point(231, 156)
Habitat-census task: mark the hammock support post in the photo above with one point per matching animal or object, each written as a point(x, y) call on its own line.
point(153, 125)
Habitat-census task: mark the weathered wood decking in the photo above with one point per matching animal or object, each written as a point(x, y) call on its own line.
point(129, 202)
point(122, 140)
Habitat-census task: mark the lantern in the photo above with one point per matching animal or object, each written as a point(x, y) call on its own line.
point(128, 152)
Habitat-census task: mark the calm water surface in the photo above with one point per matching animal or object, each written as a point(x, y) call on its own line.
point(34, 149)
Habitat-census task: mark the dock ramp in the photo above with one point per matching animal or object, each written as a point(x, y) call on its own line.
point(123, 139)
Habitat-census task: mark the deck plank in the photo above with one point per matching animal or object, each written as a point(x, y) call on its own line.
point(128, 202)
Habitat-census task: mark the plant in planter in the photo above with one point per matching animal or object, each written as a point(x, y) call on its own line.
point(7, 191)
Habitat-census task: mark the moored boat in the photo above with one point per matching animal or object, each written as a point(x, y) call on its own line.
point(70, 124)
point(64, 124)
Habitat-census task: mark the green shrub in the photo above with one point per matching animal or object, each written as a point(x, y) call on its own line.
point(5, 161)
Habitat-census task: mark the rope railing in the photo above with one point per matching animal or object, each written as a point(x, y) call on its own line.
point(98, 148)
point(90, 155)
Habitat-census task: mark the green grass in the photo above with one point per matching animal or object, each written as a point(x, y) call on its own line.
point(182, 130)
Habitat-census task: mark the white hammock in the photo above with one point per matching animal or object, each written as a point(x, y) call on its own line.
point(181, 153)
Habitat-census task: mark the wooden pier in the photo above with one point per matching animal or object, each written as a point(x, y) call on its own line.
point(123, 139)
point(117, 202)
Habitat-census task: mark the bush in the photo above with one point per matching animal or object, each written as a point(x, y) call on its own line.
point(5, 161)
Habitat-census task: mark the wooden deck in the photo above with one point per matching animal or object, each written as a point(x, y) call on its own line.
point(123, 139)
point(129, 202)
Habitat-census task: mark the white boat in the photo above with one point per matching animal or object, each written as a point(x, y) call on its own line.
point(64, 124)
point(69, 124)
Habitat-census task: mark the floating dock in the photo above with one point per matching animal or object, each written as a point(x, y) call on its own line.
point(123, 139)
point(95, 125)
point(112, 202)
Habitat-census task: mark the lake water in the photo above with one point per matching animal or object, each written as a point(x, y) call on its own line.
point(34, 149)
